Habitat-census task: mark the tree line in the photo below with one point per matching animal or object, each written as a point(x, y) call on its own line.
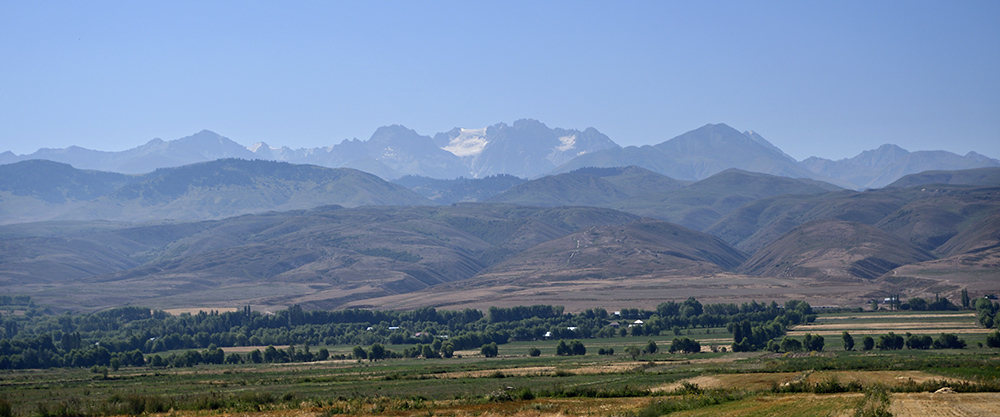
point(132, 335)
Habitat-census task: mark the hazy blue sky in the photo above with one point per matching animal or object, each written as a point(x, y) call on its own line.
point(815, 78)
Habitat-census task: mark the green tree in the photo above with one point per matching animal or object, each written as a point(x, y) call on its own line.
point(633, 351)
point(890, 341)
point(917, 304)
point(157, 362)
point(489, 350)
point(271, 354)
point(376, 352)
point(429, 352)
point(562, 349)
point(848, 340)
point(684, 344)
point(789, 344)
point(534, 352)
point(813, 342)
point(966, 301)
point(948, 341)
point(577, 348)
point(916, 341)
point(651, 347)
point(993, 340)
point(359, 353)
point(867, 343)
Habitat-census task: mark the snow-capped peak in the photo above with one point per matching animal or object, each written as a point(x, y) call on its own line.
point(470, 142)
point(566, 143)
point(253, 148)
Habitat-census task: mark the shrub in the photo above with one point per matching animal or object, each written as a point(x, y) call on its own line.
point(5, 408)
point(523, 394)
point(875, 403)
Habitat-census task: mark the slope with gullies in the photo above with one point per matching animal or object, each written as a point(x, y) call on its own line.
point(321, 257)
point(647, 247)
point(928, 217)
point(645, 193)
point(834, 249)
point(269, 243)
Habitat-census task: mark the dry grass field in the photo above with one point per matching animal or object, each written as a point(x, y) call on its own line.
point(945, 404)
point(958, 322)
point(578, 294)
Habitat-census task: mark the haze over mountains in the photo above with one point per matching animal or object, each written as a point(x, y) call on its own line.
point(738, 217)
point(38, 190)
point(733, 231)
point(528, 149)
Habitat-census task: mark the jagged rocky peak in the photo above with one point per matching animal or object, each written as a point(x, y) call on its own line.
point(465, 142)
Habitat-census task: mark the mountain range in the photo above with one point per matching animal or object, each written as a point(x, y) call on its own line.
point(527, 149)
point(736, 219)
point(235, 232)
point(39, 190)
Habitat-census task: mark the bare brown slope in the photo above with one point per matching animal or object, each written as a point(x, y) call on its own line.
point(320, 258)
point(927, 217)
point(834, 249)
point(975, 271)
point(981, 235)
point(941, 213)
point(647, 247)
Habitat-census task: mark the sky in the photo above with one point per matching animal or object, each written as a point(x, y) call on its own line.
point(815, 78)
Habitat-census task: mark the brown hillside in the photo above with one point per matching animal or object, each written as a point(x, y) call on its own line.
point(834, 249)
point(320, 258)
point(642, 248)
point(978, 236)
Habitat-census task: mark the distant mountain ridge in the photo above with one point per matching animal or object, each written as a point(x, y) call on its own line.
point(878, 168)
point(40, 190)
point(701, 153)
point(201, 147)
point(238, 231)
point(525, 149)
point(645, 193)
point(528, 149)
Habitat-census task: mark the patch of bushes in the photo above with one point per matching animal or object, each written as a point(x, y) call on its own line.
point(875, 403)
point(685, 345)
point(589, 392)
point(691, 402)
point(572, 348)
